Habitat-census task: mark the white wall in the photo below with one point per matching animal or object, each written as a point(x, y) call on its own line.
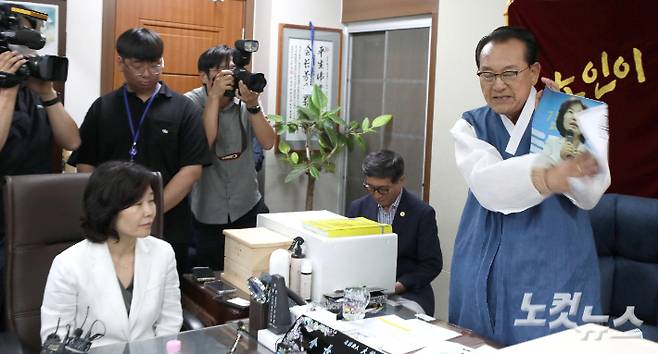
point(461, 25)
point(84, 20)
point(268, 15)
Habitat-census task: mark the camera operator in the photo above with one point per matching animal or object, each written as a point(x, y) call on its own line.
point(226, 196)
point(31, 119)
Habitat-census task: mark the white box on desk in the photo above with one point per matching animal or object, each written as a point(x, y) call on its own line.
point(339, 262)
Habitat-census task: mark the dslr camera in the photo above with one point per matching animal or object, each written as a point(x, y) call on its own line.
point(242, 57)
point(15, 33)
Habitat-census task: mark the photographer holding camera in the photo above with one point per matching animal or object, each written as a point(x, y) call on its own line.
point(227, 196)
point(32, 117)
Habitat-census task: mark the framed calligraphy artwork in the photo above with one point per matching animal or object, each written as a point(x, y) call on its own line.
point(307, 57)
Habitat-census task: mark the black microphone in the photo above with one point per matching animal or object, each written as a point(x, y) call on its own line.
point(28, 37)
point(53, 344)
point(569, 136)
point(79, 343)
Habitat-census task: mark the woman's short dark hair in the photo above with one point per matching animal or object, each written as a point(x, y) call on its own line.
point(140, 44)
point(383, 164)
point(214, 57)
point(559, 120)
point(114, 186)
point(505, 33)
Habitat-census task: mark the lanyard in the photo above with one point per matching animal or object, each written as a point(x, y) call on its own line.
point(312, 29)
point(135, 133)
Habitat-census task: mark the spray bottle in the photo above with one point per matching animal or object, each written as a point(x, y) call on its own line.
point(296, 258)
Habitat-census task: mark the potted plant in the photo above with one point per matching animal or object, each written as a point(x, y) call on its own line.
point(331, 133)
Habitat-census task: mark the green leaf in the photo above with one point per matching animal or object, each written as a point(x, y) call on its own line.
point(317, 159)
point(335, 110)
point(342, 139)
point(328, 125)
point(360, 141)
point(292, 127)
point(274, 118)
point(330, 167)
point(365, 124)
point(333, 135)
point(334, 118)
point(308, 113)
point(302, 117)
point(284, 147)
point(295, 173)
point(322, 141)
point(350, 144)
point(318, 98)
point(315, 173)
point(381, 120)
point(281, 129)
point(294, 157)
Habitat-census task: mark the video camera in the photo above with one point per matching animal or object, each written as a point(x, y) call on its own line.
point(242, 57)
point(12, 32)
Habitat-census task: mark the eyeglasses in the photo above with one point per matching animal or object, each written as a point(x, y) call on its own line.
point(218, 68)
point(506, 76)
point(382, 190)
point(141, 67)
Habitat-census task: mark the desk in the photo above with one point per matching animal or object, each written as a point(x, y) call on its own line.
point(218, 339)
point(206, 305)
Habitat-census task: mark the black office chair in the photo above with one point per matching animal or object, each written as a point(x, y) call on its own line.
point(42, 216)
point(626, 234)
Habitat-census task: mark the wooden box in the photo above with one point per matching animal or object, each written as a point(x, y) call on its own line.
point(247, 253)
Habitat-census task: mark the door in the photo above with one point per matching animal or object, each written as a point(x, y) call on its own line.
point(187, 28)
point(389, 74)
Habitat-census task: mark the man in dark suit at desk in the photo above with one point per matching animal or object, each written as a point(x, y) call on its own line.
point(414, 221)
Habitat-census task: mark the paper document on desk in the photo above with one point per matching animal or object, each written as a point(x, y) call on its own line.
point(447, 348)
point(395, 335)
point(455, 348)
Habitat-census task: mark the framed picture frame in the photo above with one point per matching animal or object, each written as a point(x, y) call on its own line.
point(55, 28)
point(299, 70)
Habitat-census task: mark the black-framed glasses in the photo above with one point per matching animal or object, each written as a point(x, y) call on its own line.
point(139, 67)
point(505, 76)
point(382, 190)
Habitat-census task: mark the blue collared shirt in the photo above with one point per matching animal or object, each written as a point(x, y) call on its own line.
point(386, 216)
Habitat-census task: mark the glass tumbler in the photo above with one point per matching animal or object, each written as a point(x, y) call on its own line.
point(355, 301)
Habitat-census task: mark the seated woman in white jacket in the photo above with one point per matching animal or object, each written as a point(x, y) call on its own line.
point(119, 281)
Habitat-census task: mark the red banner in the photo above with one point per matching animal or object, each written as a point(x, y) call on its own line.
point(606, 50)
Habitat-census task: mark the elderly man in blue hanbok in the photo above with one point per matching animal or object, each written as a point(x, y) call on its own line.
point(524, 238)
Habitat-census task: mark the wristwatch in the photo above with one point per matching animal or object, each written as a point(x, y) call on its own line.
point(253, 110)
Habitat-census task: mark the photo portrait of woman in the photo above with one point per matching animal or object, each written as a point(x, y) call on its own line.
point(571, 141)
